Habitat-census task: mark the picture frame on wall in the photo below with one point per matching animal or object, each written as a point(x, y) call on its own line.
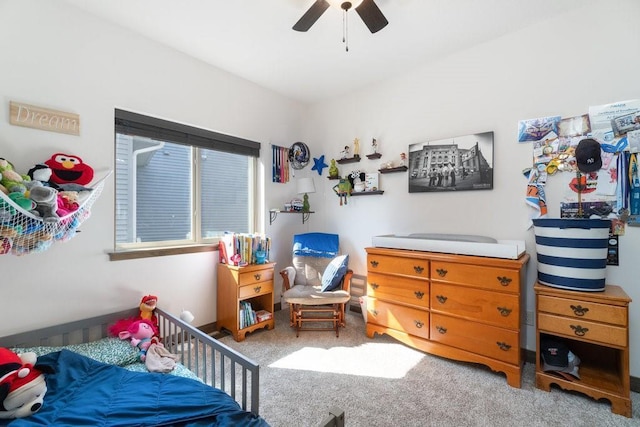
point(462, 163)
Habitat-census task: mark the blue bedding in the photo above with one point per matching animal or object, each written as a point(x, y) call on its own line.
point(85, 392)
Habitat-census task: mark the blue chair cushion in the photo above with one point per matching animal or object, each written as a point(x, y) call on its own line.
point(334, 273)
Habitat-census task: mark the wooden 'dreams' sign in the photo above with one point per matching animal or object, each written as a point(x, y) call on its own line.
point(43, 118)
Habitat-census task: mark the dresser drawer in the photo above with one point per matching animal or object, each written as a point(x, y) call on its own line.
point(497, 308)
point(255, 290)
point(398, 289)
point(398, 265)
point(255, 276)
point(583, 329)
point(405, 319)
point(497, 343)
point(591, 311)
point(482, 277)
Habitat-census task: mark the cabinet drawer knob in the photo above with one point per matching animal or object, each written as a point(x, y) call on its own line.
point(579, 310)
point(503, 346)
point(418, 323)
point(579, 330)
point(441, 299)
point(418, 269)
point(257, 289)
point(257, 276)
point(419, 294)
point(374, 263)
point(441, 272)
point(374, 286)
point(441, 329)
point(504, 311)
point(504, 280)
point(374, 312)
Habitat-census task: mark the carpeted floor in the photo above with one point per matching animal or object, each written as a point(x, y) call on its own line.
point(379, 382)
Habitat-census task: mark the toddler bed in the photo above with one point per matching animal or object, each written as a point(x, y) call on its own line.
point(98, 380)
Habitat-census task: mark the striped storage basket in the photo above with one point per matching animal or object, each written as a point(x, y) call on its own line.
point(572, 253)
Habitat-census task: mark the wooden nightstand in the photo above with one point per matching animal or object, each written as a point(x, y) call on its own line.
point(595, 327)
point(252, 284)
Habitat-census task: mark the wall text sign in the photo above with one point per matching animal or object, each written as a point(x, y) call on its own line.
point(43, 118)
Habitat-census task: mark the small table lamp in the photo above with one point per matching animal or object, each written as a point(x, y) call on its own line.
point(305, 185)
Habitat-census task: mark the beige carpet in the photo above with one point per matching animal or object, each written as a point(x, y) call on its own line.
point(379, 382)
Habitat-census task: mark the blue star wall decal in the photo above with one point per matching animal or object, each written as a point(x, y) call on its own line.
point(319, 164)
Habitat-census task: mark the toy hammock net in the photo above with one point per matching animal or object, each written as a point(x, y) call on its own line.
point(25, 232)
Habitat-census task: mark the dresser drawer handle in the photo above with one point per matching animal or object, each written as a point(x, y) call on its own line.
point(374, 286)
point(504, 280)
point(418, 323)
point(579, 330)
point(579, 310)
point(441, 329)
point(504, 311)
point(441, 272)
point(257, 289)
point(419, 294)
point(441, 299)
point(374, 263)
point(418, 269)
point(374, 312)
point(257, 276)
point(503, 346)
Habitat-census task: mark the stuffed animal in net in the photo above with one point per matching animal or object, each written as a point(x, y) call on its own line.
point(22, 385)
point(69, 169)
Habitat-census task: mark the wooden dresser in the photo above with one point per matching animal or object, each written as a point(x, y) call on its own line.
point(252, 284)
point(595, 327)
point(462, 307)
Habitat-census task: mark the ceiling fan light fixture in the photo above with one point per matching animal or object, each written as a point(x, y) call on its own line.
point(345, 5)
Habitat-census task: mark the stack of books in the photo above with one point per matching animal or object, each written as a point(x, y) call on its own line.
point(248, 316)
point(240, 248)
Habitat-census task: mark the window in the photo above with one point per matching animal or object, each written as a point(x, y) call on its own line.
point(178, 185)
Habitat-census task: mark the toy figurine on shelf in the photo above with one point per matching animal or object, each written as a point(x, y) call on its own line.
point(343, 190)
point(356, 148)
point(403, 159)
point(374, 146)
point(345, 153)
point(333, 169)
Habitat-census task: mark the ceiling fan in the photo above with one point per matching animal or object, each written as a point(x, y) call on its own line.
point(367, 9)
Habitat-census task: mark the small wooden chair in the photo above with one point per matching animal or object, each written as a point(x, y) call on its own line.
point(317, 285)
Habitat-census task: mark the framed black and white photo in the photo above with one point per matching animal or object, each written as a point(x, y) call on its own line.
point(454, 164)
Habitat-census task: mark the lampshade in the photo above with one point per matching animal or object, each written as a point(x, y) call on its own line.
point(305, 185)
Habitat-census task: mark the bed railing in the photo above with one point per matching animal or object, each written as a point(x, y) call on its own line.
point(212, 361)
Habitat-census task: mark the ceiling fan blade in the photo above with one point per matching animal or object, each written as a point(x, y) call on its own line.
point(311, 16)
point(372, 16)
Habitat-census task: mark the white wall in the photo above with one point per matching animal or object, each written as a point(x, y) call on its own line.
point(560, 67)
point(56, 56)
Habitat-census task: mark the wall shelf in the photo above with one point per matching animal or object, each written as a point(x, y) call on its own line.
point(366, 193)
point(353, 159)
point(391, 170)
point(374, 156)
point(333, 177)
point(273, 214)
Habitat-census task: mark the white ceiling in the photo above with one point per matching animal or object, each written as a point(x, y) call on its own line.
point(253, 38)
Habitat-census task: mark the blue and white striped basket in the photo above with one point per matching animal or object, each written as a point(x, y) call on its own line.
point(572, 253)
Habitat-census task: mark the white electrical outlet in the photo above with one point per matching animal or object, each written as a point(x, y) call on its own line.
point(529, 318)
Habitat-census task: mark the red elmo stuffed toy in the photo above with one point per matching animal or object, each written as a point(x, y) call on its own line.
point(69, 169)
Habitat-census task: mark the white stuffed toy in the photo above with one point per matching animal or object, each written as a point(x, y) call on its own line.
point(22, 386)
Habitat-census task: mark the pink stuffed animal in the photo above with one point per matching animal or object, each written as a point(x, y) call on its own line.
point(142, 334)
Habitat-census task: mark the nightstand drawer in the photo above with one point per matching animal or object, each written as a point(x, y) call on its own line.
point(474, 275)
point(397, 265)
point(497, 343)
point(255, 289)
point(400, 289)
point(583, 329)
point(255, 276)
point(400, 318)
point(577, 309)
point(497, 308)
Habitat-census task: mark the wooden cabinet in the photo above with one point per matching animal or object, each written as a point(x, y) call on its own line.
point(595, 327)
point(252, 284)
point(461, 307)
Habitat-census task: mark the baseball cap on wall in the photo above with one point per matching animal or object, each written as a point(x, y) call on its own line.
point(588, 156)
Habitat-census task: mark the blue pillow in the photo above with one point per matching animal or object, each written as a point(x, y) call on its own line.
point(334, 273)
